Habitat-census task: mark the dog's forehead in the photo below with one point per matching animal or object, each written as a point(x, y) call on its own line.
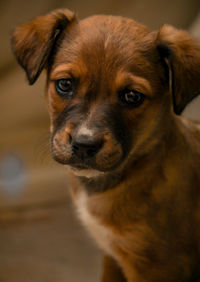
point(103, 40)
point(112, 29)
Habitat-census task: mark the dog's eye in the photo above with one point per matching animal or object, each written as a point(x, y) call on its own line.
point(64, 87)
point(131, 97)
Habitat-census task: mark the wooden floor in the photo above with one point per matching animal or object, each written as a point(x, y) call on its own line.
point(46, 244)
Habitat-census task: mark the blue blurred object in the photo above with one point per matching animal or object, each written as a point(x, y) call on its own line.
point(13, 176)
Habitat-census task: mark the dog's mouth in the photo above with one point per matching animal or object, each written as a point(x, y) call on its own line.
point(86, 164)
point(86, 172)
point(81, 166)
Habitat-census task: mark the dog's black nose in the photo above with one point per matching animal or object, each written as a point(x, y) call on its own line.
point(85, 147)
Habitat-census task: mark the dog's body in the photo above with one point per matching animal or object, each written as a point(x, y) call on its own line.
point(150, 222)
point(132, 163)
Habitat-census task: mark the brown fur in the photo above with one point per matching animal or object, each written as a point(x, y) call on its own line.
point(143, 207)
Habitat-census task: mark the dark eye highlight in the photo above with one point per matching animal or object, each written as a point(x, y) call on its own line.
point(131, 97)
point(65, 87)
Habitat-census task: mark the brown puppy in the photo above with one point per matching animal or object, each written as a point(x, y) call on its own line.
point(114, 93)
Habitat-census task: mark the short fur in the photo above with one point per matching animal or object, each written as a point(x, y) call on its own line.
point(138, 193)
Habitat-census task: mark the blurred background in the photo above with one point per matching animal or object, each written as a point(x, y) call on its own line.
point(40, 238)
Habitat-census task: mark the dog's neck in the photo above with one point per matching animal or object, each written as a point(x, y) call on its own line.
point(101, 183)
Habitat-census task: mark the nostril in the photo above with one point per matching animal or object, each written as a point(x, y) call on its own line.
point(75, 148)
point(91, 152)
point(70, 139)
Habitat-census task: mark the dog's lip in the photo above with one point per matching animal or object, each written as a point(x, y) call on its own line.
point(79, 166)
point(85, 165)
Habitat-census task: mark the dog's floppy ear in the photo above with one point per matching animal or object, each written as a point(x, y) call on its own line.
point(32, 42)
point(182, 54)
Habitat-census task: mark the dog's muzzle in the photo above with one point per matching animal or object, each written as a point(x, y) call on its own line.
point(86, 149)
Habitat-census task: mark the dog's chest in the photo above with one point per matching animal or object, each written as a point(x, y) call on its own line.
point(101, 233)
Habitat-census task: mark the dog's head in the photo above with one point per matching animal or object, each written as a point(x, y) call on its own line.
point(109, 83)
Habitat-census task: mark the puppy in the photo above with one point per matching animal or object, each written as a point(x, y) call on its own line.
point(115, 92)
